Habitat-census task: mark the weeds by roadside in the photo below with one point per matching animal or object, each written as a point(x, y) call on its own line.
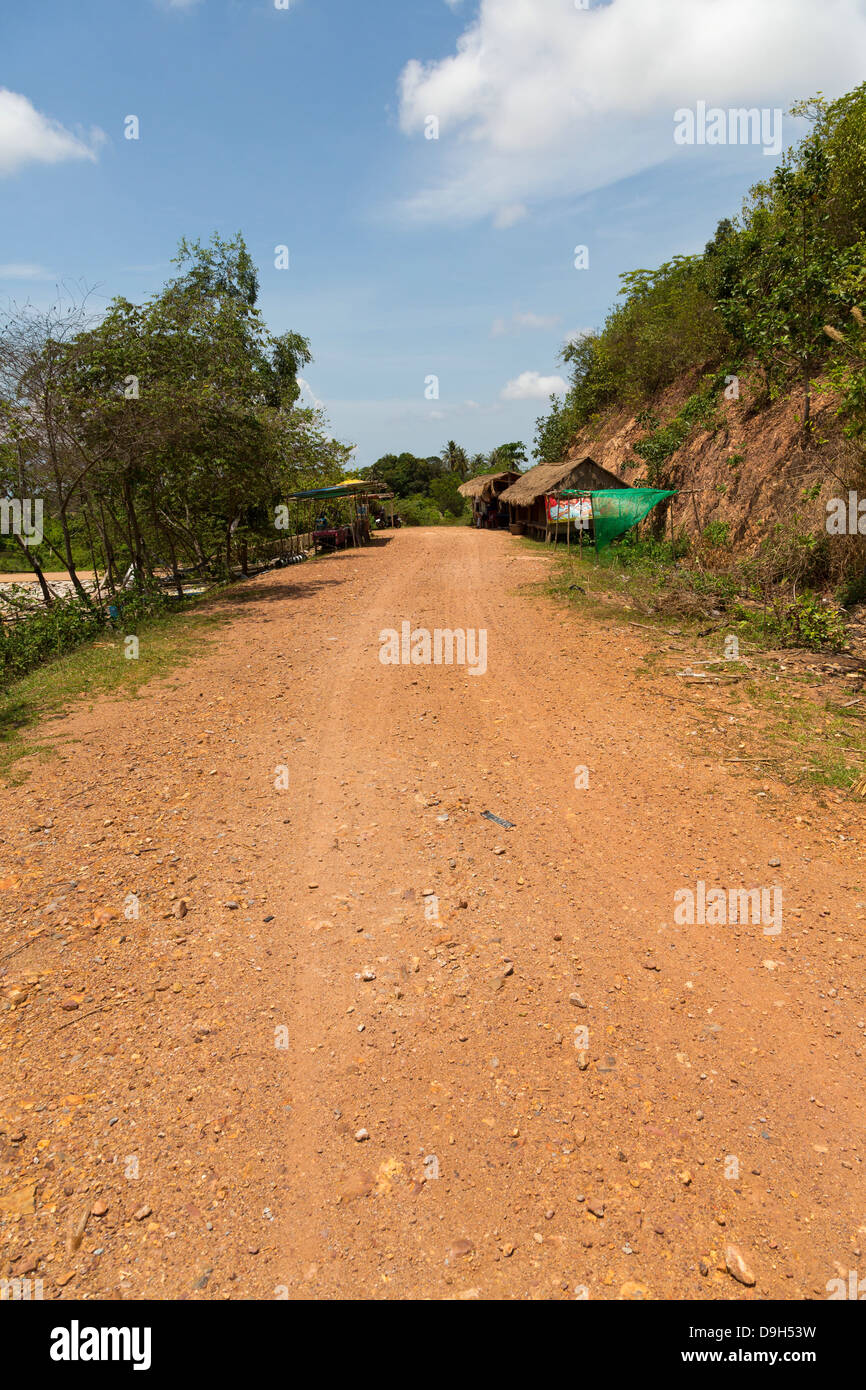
point(786, 679)
point(767, 597)
point(31, 633)
point(98, 667)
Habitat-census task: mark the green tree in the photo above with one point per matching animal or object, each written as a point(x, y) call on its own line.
point(168, 428)
point(508, 456)
point(784, 294)
point(445, 494)
point(405, 474)
point(454, 458)
point(848, 373)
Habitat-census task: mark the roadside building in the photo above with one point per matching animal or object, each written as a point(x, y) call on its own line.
point(484, 493)
point(526, 496)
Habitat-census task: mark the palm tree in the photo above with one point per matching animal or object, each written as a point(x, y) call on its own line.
point(454, 458)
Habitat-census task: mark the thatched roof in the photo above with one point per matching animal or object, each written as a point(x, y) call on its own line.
point(484, 486)
point(545, 478)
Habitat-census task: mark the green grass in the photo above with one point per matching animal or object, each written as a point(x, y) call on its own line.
point(810, 739)
point(94, 669)
point(621, 582)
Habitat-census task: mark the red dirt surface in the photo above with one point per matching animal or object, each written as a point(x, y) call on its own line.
point(186, 1095)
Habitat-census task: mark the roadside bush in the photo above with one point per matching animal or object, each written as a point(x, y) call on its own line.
point(717, 533)
point(852, 591)
point(417, 511)
point(809, 622)
point(41, 634)
point(422, 511)
point(662, 442)
point(674, 579)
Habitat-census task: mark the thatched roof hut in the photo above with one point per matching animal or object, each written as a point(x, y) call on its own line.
point(545, 478)
point(525, 496)
point(487, 485)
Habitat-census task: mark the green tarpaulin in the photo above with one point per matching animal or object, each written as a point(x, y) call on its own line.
point(354, 487)
point(615, 510)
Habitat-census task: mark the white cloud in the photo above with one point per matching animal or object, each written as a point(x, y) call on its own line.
point(28, 137)
point(542, 99)
point(24, 270)
point(531, 320)
point(532, 386)
point(500, 326)
point(307, 390)
point(510, 215)
point(575, 334)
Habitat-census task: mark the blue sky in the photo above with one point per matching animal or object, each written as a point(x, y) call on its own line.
point(410, 257)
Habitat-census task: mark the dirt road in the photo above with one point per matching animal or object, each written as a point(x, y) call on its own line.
point(351, 1068)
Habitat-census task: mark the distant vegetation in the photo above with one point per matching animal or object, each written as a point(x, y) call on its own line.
point(765, 292)
point(427, 488)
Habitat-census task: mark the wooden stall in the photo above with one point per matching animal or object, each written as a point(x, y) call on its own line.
point(525, 497)
point(485, 492)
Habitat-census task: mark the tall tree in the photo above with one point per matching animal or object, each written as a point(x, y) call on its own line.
point(454, 459)
point(508, 456)
point(169, 427)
